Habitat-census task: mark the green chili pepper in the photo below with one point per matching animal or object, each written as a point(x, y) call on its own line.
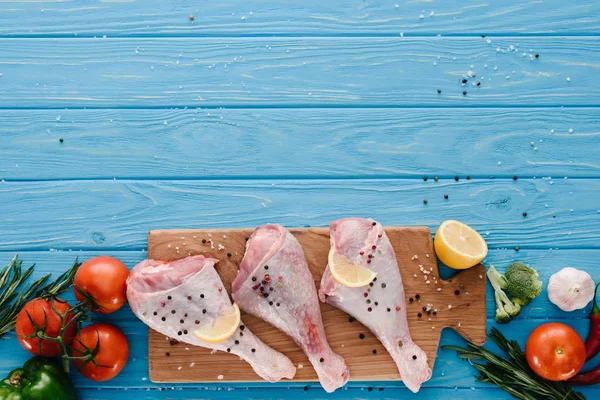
point(40, 379)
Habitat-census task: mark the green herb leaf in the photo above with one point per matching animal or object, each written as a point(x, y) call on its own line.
point(512, 374)
point(15, 293)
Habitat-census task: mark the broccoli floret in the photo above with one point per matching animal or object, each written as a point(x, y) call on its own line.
point(506, 310)
point(522, 283)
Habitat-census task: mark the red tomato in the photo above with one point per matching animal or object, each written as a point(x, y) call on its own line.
point(555, 351)
point(113, 350)
point(41, 313)
point(104, 279)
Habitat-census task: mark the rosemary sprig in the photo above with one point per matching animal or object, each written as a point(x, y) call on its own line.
point(512, 374)
point(15, 293)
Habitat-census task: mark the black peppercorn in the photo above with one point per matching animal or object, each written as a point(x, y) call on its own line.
point(419, 315)
point(464, 81)
point(439, 91)
point(457, 292)
point(464, 93)
point(524, 213)
point(362, 336)
point(445, 196)
point(321, 359)
point(414, 357)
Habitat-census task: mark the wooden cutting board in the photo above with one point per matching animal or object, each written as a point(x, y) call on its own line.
point(170, 361)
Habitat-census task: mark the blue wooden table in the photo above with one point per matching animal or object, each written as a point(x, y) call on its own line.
point(118, 117)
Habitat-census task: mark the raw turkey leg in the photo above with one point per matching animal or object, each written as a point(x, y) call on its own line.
point(360, 239)
point(176, 298)
point(275, 284)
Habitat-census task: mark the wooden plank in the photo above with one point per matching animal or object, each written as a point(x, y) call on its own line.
point(117, 214)
point(298, 72)
point(317, 143)
point(466, 315)
point(308, 17)
point(371, 392)
point(449, 371)
point(546, 262)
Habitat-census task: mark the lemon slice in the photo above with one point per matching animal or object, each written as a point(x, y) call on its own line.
point(459, 246)
point(348, 273)
point(222, 328)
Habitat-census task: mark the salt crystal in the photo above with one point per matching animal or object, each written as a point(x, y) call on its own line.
point(220, 377)
point(192, 364)
point(421, 16)
point(179, 368)
point(396, 5)
point(449, 306)
point(428, 282)
point(568, 79)
point(570, 130)
point(300, 366)
point(439, 289)
point(489, 41)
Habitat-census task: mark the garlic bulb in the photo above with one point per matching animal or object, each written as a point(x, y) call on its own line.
point(571, 289)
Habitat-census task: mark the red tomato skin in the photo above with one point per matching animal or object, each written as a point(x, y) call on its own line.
point(555, 351)
point(111, 357)
point(40, 310)
point(105, 279)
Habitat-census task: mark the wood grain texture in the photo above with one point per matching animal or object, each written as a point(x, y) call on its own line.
point(464, 313)
point(368, 392)
point(293, 72)
point(295, 17)
point(314, 143)
point(116, 214)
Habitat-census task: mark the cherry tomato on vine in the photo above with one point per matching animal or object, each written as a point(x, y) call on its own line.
point(104, 279)
point(48, 321)
point(112, 351)
point(555, 351)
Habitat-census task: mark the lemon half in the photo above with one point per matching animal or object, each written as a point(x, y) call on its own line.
point(222, 328)
point(347, 272)
point(459, 246)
